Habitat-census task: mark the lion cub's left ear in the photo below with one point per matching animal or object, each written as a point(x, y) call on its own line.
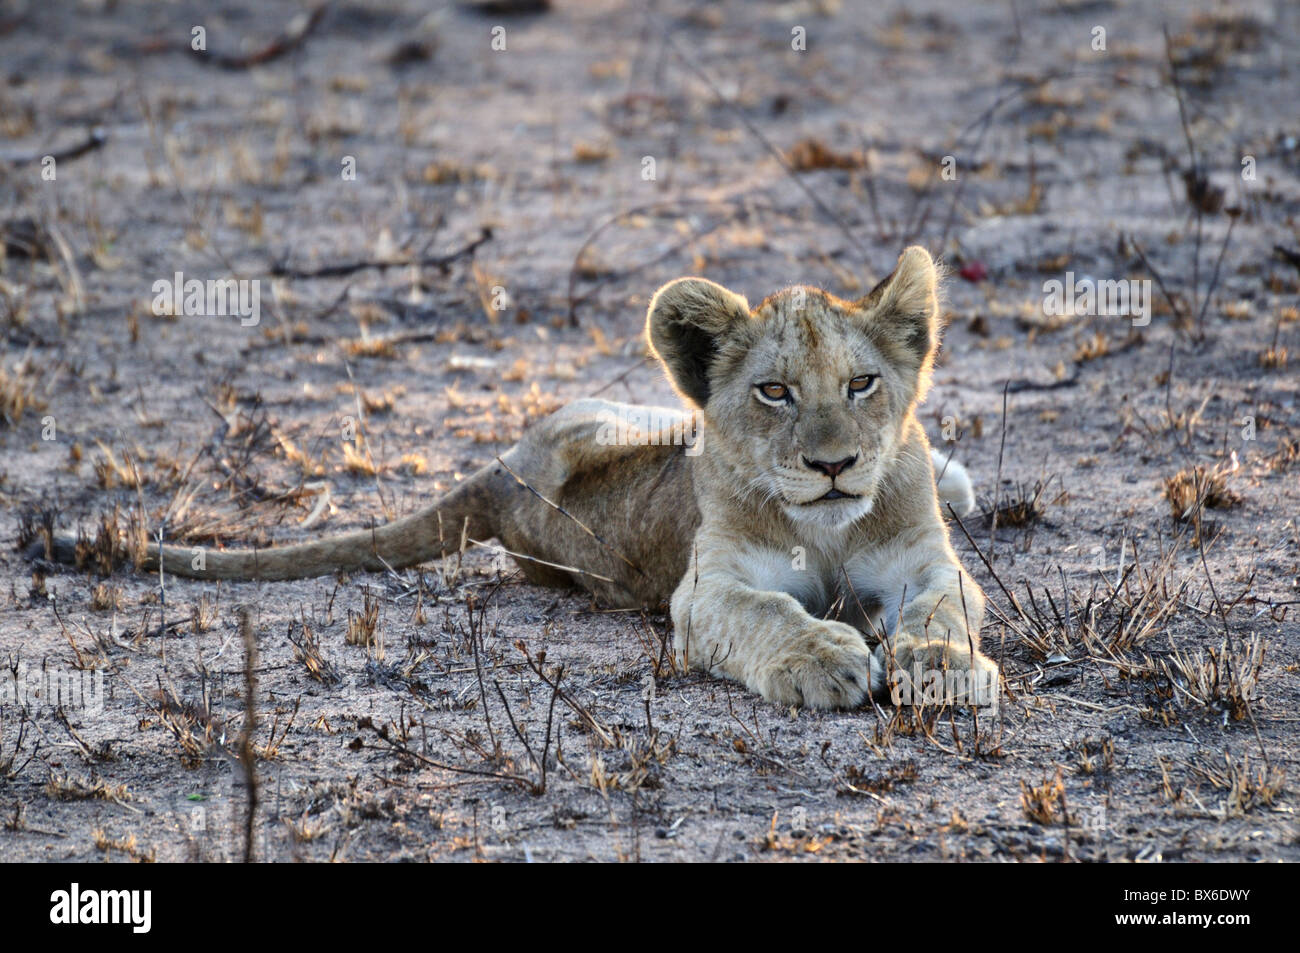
point(903, 310)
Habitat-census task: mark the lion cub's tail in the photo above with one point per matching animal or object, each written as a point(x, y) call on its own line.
point(465, 512)
point(954, 485)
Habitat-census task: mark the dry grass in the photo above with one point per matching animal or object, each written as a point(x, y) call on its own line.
point(445, 172)
point(109, 473)
point(1094, 755)
point(589, 152)
point(271, 750)
point(1285, 456)
point(1022, 506)
point(105, 598)
point(1244, 789)
point(1223, 680)
point(66, 787)
point(1198, 484)
point(638, 768)
point(1117, 616)
point(190, 726)
point(413, 464)
point(363, 626)
point(357, 458)
point(203, 614)
point(18, 395)
point(1273, 358)
point(303, 830)
point(1091, 348)
point(1044, 803)
point(809, 154)
point(34, 524)
point(126, 845)
point(306, 649)
point(370, 347)
point(112, 545)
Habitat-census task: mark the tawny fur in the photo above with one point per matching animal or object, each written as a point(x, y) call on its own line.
point(769, 583)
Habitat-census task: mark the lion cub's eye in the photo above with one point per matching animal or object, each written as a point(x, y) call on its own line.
point(862, 384)
point(774, 392)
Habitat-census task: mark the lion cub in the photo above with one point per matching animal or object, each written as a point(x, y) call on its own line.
point(797, 535)
point(816, 491)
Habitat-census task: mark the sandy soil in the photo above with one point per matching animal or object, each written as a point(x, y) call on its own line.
point(1150, 663)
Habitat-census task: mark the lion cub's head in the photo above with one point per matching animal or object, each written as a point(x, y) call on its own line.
point(806, 396)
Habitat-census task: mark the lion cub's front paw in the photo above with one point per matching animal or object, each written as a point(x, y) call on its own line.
point(930, 671)
point(826, 666)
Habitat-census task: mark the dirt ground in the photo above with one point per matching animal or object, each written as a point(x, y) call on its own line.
point(529, 200)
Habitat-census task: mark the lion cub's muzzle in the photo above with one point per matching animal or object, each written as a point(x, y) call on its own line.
point(832, 469)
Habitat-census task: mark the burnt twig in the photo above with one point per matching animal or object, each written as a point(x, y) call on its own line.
point(281, 269)
point(294, 35)
point(95, 139)
point(247, 756)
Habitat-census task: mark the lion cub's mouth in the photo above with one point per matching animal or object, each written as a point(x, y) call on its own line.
point(834, 494)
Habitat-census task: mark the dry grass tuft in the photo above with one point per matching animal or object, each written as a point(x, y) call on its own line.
point(9, 766)
point(111, 546)
point(1094, 755)
point(1285, 455)
point(66, 787)
point(105, 598)
point(1273, 358)
point(306, 649)
point(1185, 488)
point(363, 627)
point(810, 154)
point(357, 458)
point(1223, 680)
point(34, 525)
point(203, 614)
point(1118, 615)
point(370, 347)
point(1022, 506)
point(17, 395)
point(1044, 803)
point(126, 845)
point(109, 473)
point(1246, 789)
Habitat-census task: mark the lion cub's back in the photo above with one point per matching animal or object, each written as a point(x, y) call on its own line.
point(624, 472)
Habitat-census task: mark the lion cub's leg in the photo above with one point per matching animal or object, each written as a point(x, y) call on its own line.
point(766, 639)
point(930, 614)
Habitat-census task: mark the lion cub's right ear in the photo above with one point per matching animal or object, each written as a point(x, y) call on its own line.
point(687, 320)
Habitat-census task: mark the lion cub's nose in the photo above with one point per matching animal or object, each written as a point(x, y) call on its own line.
point(832, 470)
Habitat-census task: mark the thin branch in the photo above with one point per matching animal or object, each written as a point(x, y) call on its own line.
point(281, 269)
point(95, 139)
point(294, 35)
